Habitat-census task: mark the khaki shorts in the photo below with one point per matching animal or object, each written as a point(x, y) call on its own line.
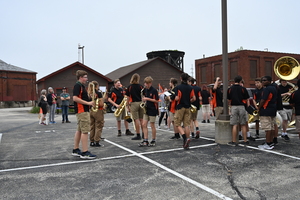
point(171, 115)
point(267, 123)
point(205, 108)
point(121, 116)
point(136, 111)
point(286, 114)
point(182, 115)
point(218, 111)
point(149, 118)
point(238, 115)
point(193, 116)
point(83, 122)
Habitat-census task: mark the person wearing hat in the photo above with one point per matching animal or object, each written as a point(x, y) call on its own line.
point(65, 98)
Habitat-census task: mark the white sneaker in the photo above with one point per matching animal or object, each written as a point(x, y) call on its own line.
point(158, 127)
point(265, 146)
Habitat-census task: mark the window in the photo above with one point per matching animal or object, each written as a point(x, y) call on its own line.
point(233, 69)
point(253, 69)
point(268, 68)
point(218, 71)
point(203, 74)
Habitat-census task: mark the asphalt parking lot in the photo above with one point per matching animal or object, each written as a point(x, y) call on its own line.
point(36, 163)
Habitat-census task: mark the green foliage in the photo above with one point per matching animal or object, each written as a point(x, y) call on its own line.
point(35, 109)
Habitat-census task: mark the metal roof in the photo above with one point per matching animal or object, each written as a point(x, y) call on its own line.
point(8, 67)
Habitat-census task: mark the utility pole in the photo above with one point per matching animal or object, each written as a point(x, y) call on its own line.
point(82, 53)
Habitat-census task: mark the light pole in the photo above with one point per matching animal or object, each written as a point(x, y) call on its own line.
point(82, 50)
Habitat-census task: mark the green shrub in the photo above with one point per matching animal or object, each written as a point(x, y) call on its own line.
point(35, 109)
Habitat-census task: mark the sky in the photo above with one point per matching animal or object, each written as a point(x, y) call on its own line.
point(43, 36)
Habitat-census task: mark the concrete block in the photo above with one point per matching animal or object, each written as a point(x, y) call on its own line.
point(223, 132)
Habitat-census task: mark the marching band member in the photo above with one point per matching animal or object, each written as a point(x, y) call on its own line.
point(115, 97)
point(81, 107)
point(151, 99)
point(172, 105)
point(96, 114)
point(217, 93)
point(133, 102)
point(184, 95)
point(256, 99)
point(196, 103)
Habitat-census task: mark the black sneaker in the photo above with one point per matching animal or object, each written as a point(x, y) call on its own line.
point(92, 144)
point(138, 137)
point(176, 136)
point(208, 121)
point(68, 122)
point(251, 138)
point(240, 137)
point(256, 135)
point(232, 144)
point(76, 152)
point(193, 135)
point(87, 155)
point(97, 144)
point(203, 121)
point(62, 122)
point(285, 138)
point(128, 132)
point(244, 143)
point(152, 143)
point(144, 144)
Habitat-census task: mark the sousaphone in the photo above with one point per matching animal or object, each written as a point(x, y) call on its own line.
point(286, 68)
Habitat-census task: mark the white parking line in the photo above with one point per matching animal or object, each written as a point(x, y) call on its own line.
point(221, 196)
point(0, 137)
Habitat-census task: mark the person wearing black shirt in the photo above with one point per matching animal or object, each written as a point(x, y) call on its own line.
point(81, 107)
point(184, 95)
point(151, 98)
point(196, 103)
point(115, 97)
point(287, 111)
point(295, 102)
point(217, 93)
point(134, 100)
point(205, 101)
point(267, 111)
point(237, 99)
point(256, 99)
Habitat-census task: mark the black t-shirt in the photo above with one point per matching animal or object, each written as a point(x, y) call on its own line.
point(117, 95)
point(80, 91)
point(218, 96)
point(151, 107)
point(134, 92)
point(205, 96)
point(269, 94)
point(295, 99)
point(285, 89)
point(257, 94)
point(238, 95)
point(185, 92)
point(197, 92)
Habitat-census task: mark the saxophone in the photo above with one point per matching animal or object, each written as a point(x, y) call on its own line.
point(143, 104)
point(91, 91)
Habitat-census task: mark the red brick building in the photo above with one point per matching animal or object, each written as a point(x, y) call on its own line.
point(247, 63)
point(17, 86)
point(66, 77)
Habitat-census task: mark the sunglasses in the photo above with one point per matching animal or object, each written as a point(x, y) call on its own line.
point(264, 80)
